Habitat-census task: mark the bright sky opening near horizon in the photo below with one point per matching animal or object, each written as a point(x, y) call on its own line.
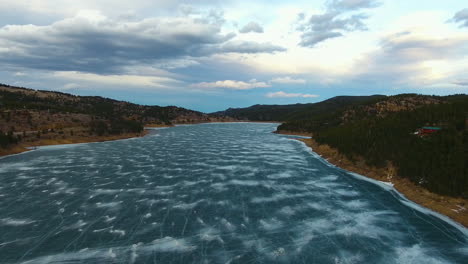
point(209, 55)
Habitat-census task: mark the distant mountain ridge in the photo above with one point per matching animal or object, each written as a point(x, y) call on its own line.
point(344, 108)
point(294, 111)
point(262, 112)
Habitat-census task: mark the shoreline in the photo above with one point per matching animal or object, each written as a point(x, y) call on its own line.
point(28, 146)
point(451, 207)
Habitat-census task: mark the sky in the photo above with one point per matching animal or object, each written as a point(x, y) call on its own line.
point(209, 55)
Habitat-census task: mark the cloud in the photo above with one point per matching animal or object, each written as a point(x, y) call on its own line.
point(461, 17)
point(349, 5)
point(329, 22)
point(230, 84)
point(70, 86)
point(239, 46)
point(310, 39)
point(334, 22)
point(415, 59)
point(241, 85)
point(288, 80)
point(67, 8)
point(92, 42)
point(407, 46)
point(117, 80)
point(282, 94)
point(461, 82)
point(251, 27)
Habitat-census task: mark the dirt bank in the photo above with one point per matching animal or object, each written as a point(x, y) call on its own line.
point(60, 140)
point(454, 208)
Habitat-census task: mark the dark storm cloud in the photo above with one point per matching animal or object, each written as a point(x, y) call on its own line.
point(335, 21)
point(93, 43)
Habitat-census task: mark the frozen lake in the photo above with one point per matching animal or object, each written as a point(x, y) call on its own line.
point(210, 193)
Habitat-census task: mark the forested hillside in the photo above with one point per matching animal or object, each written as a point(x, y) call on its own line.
point(263, 112)
point(386, 131)
point(294, 111)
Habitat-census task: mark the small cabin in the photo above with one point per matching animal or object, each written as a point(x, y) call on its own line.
point(427, 130)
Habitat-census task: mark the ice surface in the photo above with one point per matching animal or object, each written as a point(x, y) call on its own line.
point(15, 222)
point(211, 193)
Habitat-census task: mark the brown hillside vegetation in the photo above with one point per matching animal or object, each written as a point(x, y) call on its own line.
point(32, 118)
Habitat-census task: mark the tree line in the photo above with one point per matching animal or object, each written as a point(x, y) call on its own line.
point(7, 139)
point(438, 162)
